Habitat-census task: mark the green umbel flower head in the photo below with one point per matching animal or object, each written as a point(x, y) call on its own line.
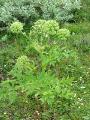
point(44, 29)
point(63, 34)
point(16, 27)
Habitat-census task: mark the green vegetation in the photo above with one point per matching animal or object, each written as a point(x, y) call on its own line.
point(44, 60)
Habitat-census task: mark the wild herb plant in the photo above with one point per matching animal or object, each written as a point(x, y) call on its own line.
point(49, 74)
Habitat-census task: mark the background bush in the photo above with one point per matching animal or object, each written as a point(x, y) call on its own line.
point(30, 10)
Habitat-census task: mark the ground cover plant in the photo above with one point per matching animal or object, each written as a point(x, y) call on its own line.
point(44, 60)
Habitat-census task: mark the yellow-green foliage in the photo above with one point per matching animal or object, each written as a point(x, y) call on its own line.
point(16, 27)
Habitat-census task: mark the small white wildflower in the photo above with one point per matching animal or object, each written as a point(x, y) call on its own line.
point(82, 104)
point(5, 113)
point(82, 87)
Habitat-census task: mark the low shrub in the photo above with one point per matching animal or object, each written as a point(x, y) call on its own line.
point(26, 11)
